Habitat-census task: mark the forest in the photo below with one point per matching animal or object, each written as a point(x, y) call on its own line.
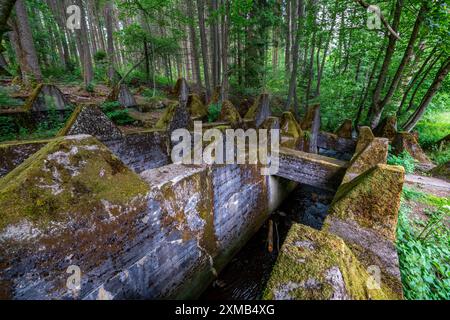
point(362, 61)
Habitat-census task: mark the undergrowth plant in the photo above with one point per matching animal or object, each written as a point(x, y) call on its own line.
point(116, 113)
point(214, 111)
point(404, 159)
point(424, 248)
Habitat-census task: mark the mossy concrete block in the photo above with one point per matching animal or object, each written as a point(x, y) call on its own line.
point(68, 204)
point(271, 123)
point(230, 114)
point(308, 120)
point(290, 127)
point(372, 199)
point(374, 153)
point(316, 265)
point(196, 107)
point(442, 171)
point(387, 128)
point(405, 141)
point(91, 120)
point(175, 117)
point(331, 141)
point(372, 250)
point(345, 130)
point(46, 97)
point(12, 154)
point(365, 136)
point(123, 95)
point(260, 110)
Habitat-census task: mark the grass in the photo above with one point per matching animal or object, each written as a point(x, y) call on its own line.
point(424, 247)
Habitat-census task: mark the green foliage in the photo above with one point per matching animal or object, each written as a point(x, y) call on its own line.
point(8, 128)
point(214, 111)
point(6, 100)
point(100, 56)
point(90, 88)
point(404, 159)
point(116, 113)
point(424, 253)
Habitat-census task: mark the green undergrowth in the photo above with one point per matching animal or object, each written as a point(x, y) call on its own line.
point(404, 159)
point(424, 247)
point(116, 113)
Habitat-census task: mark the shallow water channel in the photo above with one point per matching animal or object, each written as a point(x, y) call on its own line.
point(245, 277)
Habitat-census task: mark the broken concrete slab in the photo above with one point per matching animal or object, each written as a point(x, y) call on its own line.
point(292, 135)
point(365, 136)
point(317, 265)
point(89, 119)
point(260, 110)
point(330, 141)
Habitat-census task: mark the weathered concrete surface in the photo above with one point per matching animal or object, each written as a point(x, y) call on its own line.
point(72, 203)
point(143, 150)
point(317, 265)
point(365, 136)
point(374, 153)
point(405, 141)
point(292, 135)
point(46, 97)
point(345, 130)
point(330, 141)
point(230, 115)
point(12, 154)
point(196, 108)
point(311, 169)
point(175, 117)
point(123, 95)
point(364, 214)
point(260, 110)
point(92, 121)
point(372, 199)
point(387, 128)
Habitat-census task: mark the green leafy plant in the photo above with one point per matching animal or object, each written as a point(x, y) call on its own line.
point(404, 159)
point(90, 88)
point(214, 111)
point(424, 256)
point(7, 128)
point(116, 113)
point(6, 100)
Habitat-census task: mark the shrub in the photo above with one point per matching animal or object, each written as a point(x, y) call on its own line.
point(7, 128)
point(6, 100)
point(116, 113)
point(90, 88)
point(423, 255)
point(214, 111)
point(404, 159)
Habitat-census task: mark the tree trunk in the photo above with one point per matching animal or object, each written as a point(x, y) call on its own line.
point(225, 34)
point(108, 11)
point(6, 7)
point(434, 88)
point(204, 45)
point(86, 58)
point(194, 47)
point(31, 69)
point(295, 48)
point(376, 98)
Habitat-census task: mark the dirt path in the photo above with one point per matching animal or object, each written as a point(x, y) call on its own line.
point(438, 187)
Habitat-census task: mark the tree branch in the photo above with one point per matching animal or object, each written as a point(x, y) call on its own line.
point(383, 19)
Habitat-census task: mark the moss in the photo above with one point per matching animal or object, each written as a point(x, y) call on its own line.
point(66, 177)
point(28, 106)
point(372, 200)
point(196, 107)
point(289, 126)
point(230, 114)
point(316, 265)
point(73, 117)
point(167, 116)
point(364, 138)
